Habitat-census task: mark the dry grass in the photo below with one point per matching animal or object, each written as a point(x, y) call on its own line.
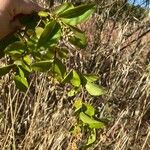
point(41, 118)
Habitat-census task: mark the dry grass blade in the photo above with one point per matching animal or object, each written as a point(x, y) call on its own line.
point(119, 51)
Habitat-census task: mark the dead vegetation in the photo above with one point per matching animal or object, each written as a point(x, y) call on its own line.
point(119, 52)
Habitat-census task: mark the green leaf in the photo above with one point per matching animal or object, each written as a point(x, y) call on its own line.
point(78, 14)
point(94, 89)
point(27, 59)
point(21, 81)
point(47, 54)
point(78, 104)
point(30, 21)
point(97, 125)
point(43, 14)
point(68, 77)
point(90, 121)
point(91, 77)
point(65, 6)
point(24, 66)
point(82, 78)
point(79, 39)
point(75, 81)
point(39, 31)
point(50, 35)
point(72, 92)
point(6, 69)
point(21, 73)
point(77, 11)
point(15, 49)
point(42, 66)
point(91, 138)
point(31, 44)
point(89, 109)
point(59, 69)
point(5, 42)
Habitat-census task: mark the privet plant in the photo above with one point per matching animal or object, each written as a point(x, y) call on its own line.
point(38, 48)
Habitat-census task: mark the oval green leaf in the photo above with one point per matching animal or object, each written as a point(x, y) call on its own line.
point(39, 31)
point(59, 69)
point(78, 104)
point(68, 77)
point(50, 35)
point(91, 138)
point(75, 81)
point(90, 121)
point(79, 39)
point(60, 9)
point(78, 14)
point(15, 50)
point(21, 83)
point(89, 109)
point(94, 89)
point(5, 42)
point(91, 77)
point(23, 66)
point(42, 66)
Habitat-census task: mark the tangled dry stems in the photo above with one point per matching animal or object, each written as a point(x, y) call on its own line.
point(119, 53)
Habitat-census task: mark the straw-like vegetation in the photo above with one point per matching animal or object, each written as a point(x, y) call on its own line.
point(119, 52)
